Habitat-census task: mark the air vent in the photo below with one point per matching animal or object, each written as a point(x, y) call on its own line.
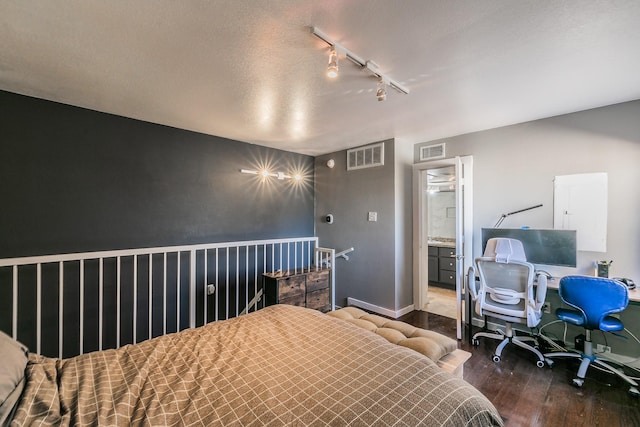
point(365, 157)
point(431, 152)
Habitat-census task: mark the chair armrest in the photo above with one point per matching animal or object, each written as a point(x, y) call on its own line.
point(471, 283)
point(541, 289)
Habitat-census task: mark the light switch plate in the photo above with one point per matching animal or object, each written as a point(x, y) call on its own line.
point(373, 216)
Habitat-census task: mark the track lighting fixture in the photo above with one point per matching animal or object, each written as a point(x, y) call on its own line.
point(370, 66)
point(332, 68)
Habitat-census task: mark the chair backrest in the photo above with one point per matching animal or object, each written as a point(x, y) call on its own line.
point(595, 297)
point(504, 249)
point(504, 267)
point(506, 283)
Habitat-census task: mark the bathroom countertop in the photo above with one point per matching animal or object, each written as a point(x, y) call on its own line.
point(449, 243)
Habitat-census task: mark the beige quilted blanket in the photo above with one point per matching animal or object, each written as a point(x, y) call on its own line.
point(282, 365)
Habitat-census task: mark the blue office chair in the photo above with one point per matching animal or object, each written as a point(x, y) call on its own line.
point(593, 300)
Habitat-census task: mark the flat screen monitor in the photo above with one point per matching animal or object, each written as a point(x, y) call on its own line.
point(549, 247)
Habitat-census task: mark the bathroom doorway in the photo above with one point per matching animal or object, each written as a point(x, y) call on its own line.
point(446, 252)
point(441, 241)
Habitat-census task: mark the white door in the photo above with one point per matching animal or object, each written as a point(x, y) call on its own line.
point(464, 230)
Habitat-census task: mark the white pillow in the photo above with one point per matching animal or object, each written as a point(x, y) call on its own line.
point(14, 357)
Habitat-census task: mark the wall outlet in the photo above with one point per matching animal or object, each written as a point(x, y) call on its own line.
point(601, 348)
point(546, 307)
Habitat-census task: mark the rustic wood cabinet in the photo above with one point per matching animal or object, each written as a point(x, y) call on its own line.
point(309, 288)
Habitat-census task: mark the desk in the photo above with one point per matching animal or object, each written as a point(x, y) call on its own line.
point(624, 348)
point(634, 294)
point(553, 284)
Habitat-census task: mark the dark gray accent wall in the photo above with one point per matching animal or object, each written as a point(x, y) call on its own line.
point(369, 275)
point(75, 180)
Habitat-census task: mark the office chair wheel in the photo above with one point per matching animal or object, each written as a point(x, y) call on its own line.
point(496, 358)
point(540, 364)
point(475, 342)
point(634, 392)
point(549, 362)
point(578, 382)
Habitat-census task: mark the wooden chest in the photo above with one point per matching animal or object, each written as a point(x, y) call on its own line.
point(318, 295)
point(306, 288)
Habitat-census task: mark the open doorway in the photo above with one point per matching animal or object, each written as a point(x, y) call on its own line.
point(440, 207)
point(442, 255)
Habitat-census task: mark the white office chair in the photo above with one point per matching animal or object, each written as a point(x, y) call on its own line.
point(506, 292)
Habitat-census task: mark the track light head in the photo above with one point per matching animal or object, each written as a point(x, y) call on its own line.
point(332, 68)
point(381, 93)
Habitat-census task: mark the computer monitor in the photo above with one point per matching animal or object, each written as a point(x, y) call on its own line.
point(548, 247)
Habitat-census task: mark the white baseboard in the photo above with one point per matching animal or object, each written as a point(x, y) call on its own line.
point(380, 310)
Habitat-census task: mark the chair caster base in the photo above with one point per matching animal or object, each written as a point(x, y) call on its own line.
point(633, 391)
point(540, 364)
point(475, 342)
point(495, 358)
point(549, 362)
point(578, 382)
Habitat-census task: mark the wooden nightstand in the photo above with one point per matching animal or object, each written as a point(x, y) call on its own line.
point(306, 288)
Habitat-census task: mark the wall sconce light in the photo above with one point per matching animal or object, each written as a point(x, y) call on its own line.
point(265, 174)
point(331, 163)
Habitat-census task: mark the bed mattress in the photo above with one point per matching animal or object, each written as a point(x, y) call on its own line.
point(281, 365)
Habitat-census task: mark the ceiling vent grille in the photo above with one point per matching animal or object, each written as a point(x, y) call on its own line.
point(365, 157)
point(432, 152)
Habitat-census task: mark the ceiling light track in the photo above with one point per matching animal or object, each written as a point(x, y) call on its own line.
point(367, 65)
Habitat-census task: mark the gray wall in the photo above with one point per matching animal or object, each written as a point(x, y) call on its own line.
point(514, 168)
point(404, 226)
point(369, 275)
point(75, 180)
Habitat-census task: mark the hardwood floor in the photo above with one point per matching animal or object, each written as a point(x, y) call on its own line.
point(526, 395)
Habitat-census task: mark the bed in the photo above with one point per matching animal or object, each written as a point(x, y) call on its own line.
point(282, 365)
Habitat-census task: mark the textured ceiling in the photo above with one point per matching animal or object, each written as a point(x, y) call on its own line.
point(250, 70)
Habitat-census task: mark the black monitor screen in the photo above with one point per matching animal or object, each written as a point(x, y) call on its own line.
point(549, 247)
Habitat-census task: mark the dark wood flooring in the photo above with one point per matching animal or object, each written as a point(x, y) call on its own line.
point(526, 395)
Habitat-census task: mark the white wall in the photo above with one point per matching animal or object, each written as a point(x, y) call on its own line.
point(441, 225)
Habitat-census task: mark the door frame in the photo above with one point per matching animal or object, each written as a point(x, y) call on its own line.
point(464, 231)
